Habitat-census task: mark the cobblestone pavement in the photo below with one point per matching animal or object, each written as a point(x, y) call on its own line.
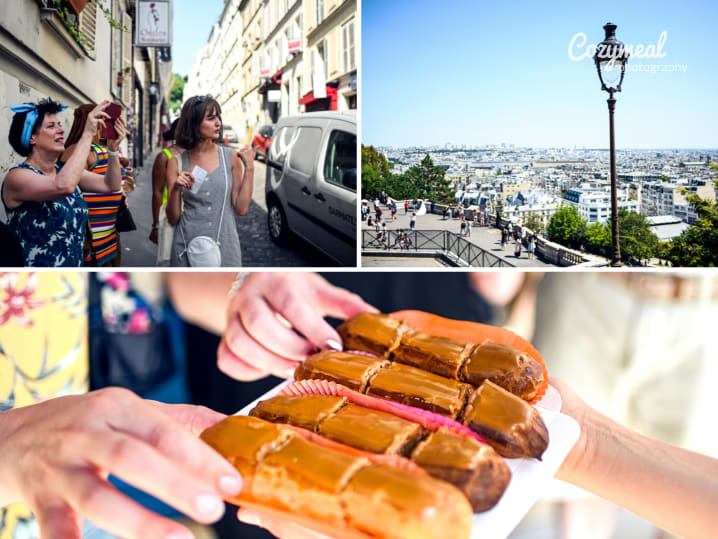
point(488, 238)
point(257, 247)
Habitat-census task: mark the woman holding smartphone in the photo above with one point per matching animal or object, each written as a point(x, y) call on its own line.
point(102, 206)
point(42, 197)
point(213, 185)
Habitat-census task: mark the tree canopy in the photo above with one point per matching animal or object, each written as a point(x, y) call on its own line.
point(698, 246)
point(425, 180)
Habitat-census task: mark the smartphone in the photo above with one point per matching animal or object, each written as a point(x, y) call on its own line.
point(114, 111)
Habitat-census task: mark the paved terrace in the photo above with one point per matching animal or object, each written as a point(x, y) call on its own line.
point(487, 238)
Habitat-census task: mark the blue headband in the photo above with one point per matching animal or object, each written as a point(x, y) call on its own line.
point(30, 120)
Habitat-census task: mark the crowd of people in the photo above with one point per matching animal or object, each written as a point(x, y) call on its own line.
point(66, 204)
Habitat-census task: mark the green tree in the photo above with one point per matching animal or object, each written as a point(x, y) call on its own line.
point(698, 246)
point(567, 227)
point(598, 239)
point(372, 182)
point(637, 240)
point(177, 91)
point(370, 156)
point(534, 222)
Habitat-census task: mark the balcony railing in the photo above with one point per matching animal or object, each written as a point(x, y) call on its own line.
point(459, 250)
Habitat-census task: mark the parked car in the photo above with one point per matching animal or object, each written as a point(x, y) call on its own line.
point(230, 134)
point(262, 139)
point(312, 181)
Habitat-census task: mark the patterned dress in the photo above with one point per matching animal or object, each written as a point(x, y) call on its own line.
point(52, 232)
point(43, 354)
point(103, 214)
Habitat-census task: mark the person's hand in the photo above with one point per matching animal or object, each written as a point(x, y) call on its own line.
point(262, 316)
point(185, 179)
point(246, 155)
point(279, 528)
point(96, 119)
point(114, 144)
point(574, 407)
point(57, 455)
point(154, 235)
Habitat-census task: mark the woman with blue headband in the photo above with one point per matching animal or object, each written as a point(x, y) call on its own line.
point(42, 199)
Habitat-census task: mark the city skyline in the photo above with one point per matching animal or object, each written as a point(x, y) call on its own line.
point(515, 59)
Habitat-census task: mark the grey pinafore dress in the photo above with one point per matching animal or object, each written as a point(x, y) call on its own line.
point(201, 215)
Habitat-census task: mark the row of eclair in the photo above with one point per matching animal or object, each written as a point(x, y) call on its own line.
point(508, 424)
point(333, 489)
point(444, 450)
point(389, 338)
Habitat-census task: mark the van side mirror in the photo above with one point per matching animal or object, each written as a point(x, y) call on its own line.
point(350, 178)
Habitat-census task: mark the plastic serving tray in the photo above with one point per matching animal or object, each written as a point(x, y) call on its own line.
point(528, 476)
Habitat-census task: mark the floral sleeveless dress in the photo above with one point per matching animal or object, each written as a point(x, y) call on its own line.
point(52, 232)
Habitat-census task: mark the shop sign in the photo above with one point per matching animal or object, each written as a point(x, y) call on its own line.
point(274, 96)
point(153, 23)
point(294, 46)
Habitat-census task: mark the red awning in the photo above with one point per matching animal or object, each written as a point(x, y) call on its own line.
point(331, 94)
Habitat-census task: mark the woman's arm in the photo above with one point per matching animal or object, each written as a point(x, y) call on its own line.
point(112, 180)
point(159, 178)
point(242, 179)
point(674, 488)
point(175, 183)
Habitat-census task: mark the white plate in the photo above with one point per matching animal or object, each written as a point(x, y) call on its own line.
point(528, 476)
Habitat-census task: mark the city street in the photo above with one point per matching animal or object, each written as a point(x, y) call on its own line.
point(488, 238)
point(257, 247)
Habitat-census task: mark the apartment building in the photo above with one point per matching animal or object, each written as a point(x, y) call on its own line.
point(330, 67)
point(594, 202)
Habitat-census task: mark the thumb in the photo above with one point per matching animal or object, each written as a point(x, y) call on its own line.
point(194, 418)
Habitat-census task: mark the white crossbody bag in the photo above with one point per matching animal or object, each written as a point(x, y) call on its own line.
point(203, 251)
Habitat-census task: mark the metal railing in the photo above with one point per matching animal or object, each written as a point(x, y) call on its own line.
point(443, 242)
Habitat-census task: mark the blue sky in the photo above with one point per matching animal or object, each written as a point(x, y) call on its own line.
point(190, 30)
point(473, 72)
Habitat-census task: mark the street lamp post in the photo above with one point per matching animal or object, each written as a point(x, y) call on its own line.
point(610, 58)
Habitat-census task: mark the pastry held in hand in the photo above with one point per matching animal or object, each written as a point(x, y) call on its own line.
point(458, 458)
point(334, 492)
point(508, 424)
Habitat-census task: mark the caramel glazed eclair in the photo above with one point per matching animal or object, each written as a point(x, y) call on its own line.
point(350, 493)
point(508, 424)
point(386, 337)
point(472, 467)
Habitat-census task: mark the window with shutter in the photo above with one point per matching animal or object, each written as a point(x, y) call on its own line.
point(88, 28)
point(127, 59)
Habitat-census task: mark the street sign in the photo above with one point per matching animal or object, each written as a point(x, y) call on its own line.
point(154, 23)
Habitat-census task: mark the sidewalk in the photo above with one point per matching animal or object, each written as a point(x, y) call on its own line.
point(258, 250)
point(488, 238)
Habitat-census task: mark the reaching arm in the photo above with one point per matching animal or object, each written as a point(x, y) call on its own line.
point(159, 179)
point(175, 182)
point(112, 180)
point(242, 179)
point(674, 488)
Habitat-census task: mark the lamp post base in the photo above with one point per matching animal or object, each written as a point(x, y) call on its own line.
point(616, 264)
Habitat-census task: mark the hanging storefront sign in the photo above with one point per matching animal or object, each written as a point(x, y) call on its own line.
point(154, 23)
point(274, 96)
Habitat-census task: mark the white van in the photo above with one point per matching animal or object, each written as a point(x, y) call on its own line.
point(312, 181)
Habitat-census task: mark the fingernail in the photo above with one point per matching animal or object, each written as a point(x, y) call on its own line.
point(181, 535)
point(230, 485)
point(335, 345)
point(209, 505)
point(252, 518)
point(289, 373)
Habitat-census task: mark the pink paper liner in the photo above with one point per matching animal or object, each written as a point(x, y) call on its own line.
point(428, 420)
point(395, 461)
